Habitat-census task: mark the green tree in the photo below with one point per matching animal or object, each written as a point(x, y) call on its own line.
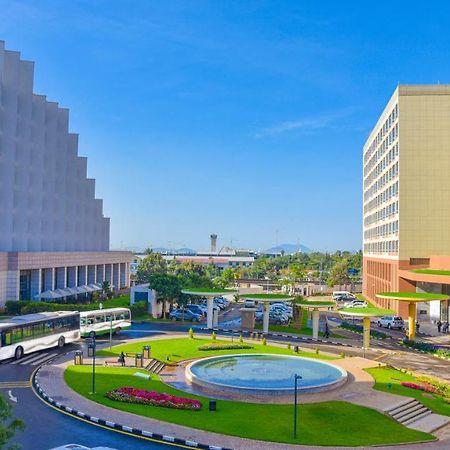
point(339, 274)
point(152, 263)
point(226, 279)
point(8, 424)
point(106, 289)
point(167, 287)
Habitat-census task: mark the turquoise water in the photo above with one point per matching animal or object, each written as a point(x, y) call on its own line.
point(265, 371)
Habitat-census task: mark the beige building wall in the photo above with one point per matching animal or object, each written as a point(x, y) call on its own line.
point(424, 124)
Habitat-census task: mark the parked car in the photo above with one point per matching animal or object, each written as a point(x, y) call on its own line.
point(356, 304)
point(279, 310)
point(204, 305)
point(391, 322)
point(249, 304)
point(177, 314)
point(274, 318)
point(197, 309)
point(339, 294)
point(222, 300)
point(283, 306)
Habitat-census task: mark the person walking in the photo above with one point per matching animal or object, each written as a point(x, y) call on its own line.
point(122, 359)
point(445, 327)
point(439, 325)
point(417, 327)
point(327, 331)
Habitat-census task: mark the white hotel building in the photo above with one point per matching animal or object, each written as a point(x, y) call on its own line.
point(54, 238)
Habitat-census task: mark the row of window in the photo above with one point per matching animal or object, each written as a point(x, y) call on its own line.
point(382, 181)
point(389, 122)
point(382, 230)
point(21, 333)
point(381, 247)
point(390, 156)
point(382, 214)
point(382, 198)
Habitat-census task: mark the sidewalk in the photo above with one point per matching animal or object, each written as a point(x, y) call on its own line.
point(51, 380)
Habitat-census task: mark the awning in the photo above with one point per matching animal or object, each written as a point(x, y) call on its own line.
point(67, 292)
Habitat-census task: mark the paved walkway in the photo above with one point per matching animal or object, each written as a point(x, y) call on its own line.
point(51, 380)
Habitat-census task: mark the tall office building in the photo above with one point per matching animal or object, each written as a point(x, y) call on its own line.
point(406, 195)
point(53, 234)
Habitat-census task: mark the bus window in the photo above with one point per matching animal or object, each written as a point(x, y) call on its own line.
point(99, 319)
point(38, 330)
point(109, 317)
point(27, 332)
point(48, 327)
point(6, 338)
point(16, 335)
point(127, 315)
point(83, 321)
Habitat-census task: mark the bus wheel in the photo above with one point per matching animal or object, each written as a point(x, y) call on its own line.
point(61, 342)
point(19, 352)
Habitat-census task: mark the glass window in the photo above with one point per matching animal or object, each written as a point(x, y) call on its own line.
point(99, 318)
point(27, 332)
point(38, 330)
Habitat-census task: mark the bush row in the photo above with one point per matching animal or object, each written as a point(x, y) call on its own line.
point(428, 348)
point(207, 347)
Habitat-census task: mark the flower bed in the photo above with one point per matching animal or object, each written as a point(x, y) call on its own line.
point(359, 329)
point(430, 386)
point(208, 347)
point(152, 398)
point(427, 348)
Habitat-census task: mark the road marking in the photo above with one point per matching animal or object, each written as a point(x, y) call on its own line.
point(11, 397)
point(14, 384)
point(41, 360)
point(26, 358)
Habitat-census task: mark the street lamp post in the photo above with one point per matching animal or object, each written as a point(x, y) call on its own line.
point(296, 378)
point(93, 344)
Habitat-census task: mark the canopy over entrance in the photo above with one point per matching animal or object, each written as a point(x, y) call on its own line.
point(412, 298)
point(315, 305)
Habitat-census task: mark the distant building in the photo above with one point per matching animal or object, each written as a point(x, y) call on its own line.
point(54, 238)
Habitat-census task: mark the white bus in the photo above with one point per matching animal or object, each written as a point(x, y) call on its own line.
point(96, 323)
point(32, 332)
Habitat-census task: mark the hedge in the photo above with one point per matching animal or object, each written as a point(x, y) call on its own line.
point(359, 329)
point(207, 347)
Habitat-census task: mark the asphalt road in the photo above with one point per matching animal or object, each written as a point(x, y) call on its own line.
point(47, 428)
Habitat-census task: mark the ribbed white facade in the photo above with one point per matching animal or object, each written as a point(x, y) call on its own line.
point(47, 203)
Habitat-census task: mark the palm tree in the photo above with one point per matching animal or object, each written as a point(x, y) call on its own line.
point(106, 288)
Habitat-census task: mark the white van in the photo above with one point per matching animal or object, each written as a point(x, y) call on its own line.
point(338, 294)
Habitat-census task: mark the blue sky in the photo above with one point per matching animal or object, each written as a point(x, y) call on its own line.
point(243, 118)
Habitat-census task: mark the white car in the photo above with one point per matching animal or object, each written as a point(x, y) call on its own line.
point(249, 304)
point(391, 322)
point(356, 304)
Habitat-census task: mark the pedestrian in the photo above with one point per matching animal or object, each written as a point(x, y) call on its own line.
point(327, 331)
point(122, 359)
point(417, 326)
point(439, 325)
point(445, 327)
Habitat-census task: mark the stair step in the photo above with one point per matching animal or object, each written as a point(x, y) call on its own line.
point(411, 414)
point(418, 417)
point(402, 407)
point(406, 411)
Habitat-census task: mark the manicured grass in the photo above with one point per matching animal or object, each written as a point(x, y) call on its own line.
point(388, 379)
point(184, 348)
point(413, 296)
point(329, 423)
point(370, 311)
point(432, 271)
point(281, 297)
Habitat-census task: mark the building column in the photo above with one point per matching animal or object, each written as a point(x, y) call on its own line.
point(36, 283)
point(366, 332)
point(100, 268)
point(13, 285)
point(412, 314)
point(315, 324)
point(209, 312)
point(266, 311)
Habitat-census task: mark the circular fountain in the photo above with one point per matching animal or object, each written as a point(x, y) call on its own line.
point(264, 374)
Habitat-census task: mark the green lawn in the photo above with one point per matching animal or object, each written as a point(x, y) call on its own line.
point(184, 348)
point(388, 380)
point(329, 423)
point(432, 271)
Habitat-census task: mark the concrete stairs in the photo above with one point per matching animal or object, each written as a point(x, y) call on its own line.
point(409, 411)
point(155, 366)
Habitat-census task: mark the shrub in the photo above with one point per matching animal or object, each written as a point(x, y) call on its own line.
point(359, 329)
point(191, 333)
point(289, 346)
point(139, 309)
point(152, 398)
point(241, 339)
point(14, 307)
point(317, 351)
point(342, 355)
point(264, 341)
point(213, 336)
point(208, 347)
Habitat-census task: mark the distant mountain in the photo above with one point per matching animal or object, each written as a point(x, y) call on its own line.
point(175, 251)
point(289, 249)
